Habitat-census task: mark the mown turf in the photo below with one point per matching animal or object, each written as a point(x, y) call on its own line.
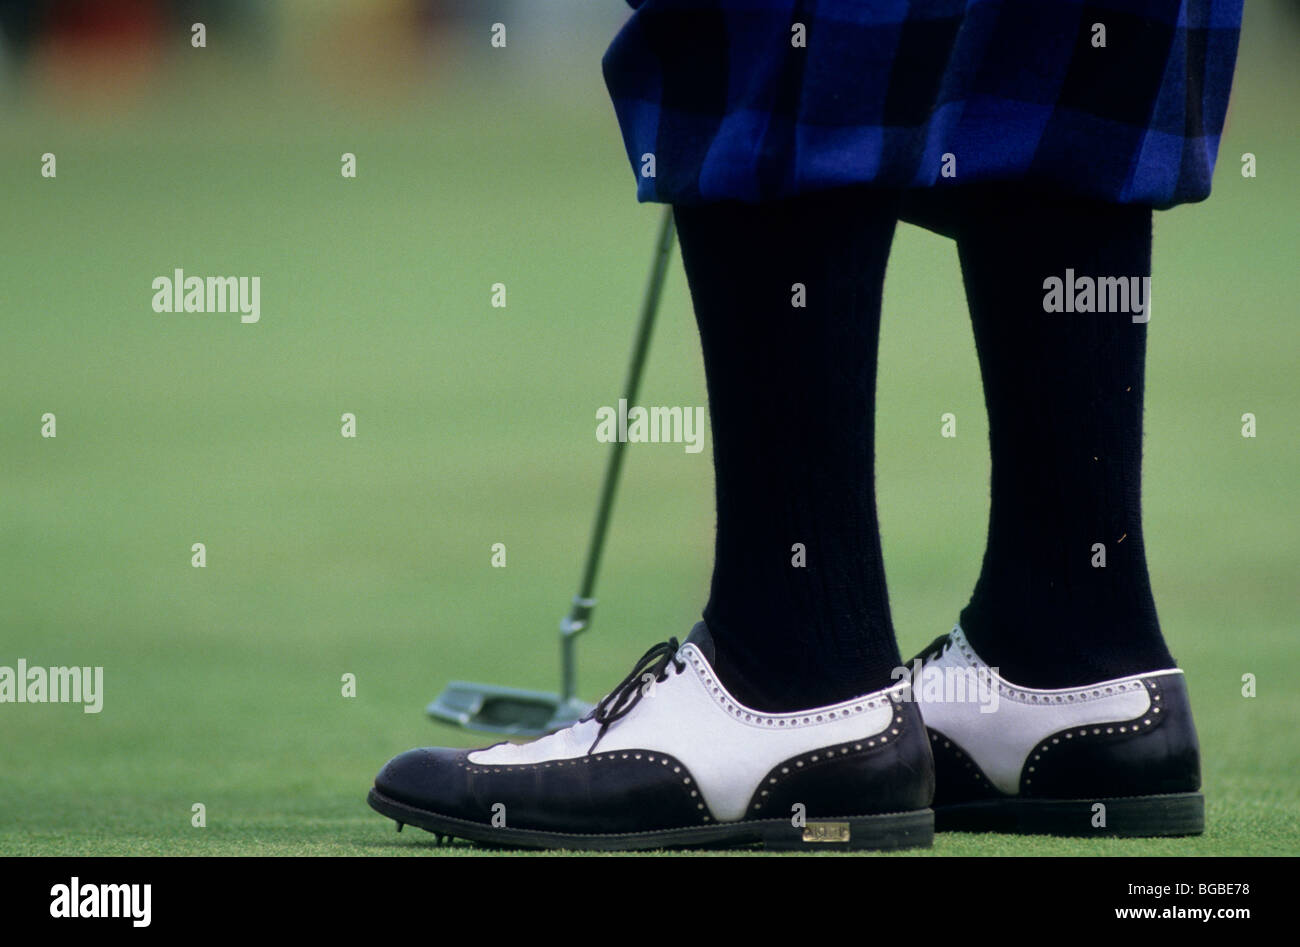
point(372, 557)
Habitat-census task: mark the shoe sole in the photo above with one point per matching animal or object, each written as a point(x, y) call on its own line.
point(1124, 816)
point(893, 830)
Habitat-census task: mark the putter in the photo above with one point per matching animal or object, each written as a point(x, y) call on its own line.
point(516, 712)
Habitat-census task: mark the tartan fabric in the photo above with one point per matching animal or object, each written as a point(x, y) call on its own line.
point(1014, 90)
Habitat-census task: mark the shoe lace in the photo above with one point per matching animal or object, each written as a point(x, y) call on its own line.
point(935, 649)
point(619, 702)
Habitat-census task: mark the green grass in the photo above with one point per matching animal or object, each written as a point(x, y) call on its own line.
point(371, 557)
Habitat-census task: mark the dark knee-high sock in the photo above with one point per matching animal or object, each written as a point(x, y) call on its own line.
point(1064, 394)
point(797, 609)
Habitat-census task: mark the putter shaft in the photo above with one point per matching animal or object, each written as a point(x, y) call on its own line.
point(584, 602)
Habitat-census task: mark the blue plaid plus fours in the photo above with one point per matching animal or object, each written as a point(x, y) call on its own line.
point(752, 100)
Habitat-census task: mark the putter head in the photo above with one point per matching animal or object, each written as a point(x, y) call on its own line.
point(505, 710)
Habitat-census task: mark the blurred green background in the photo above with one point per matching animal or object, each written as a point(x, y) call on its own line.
point(328, 556)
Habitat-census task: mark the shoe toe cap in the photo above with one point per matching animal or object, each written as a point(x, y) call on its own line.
point(427, 777)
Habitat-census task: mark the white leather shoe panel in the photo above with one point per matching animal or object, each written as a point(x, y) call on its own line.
point(562, 745)
point(1000, 742)
point(727, 747)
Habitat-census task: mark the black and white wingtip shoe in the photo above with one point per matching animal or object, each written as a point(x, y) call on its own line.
point(671, 759)
point(1118, 757)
